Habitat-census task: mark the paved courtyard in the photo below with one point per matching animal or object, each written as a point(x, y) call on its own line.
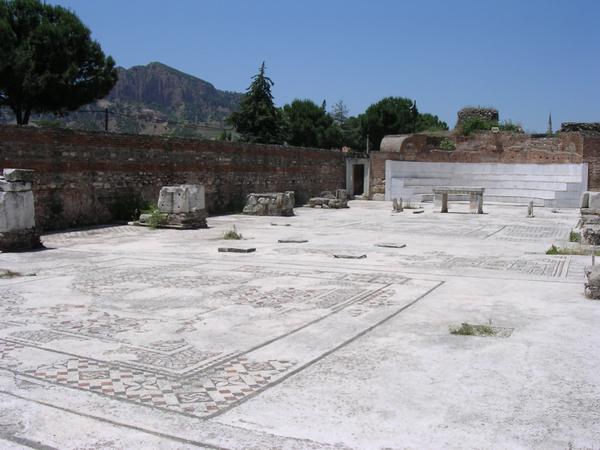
point(125, 337)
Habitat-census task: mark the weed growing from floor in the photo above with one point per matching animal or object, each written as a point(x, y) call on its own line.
point(6, 273)
point(232, 235)
point(157, 218)
point(466, 329)
point(554, 250)
point(574, 236)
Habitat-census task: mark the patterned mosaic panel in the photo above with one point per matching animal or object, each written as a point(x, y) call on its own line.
point(200, 396)
point(530, 232)
point(380, 299)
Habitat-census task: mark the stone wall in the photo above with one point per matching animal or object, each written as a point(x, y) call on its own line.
point(591, 155)
point(87, 178)
point(488, 147)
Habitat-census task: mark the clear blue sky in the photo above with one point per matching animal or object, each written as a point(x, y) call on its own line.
point(527, 58)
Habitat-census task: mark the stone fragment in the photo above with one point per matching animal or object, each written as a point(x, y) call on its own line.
point(390, 245)
point(584, 201)
point(592, 286)
point(23, 175)
point(418, 211)
point(594, 200)
point(181, 207)
point(236, 250)
point(270, 204)
point(590, 235)
point(345, 256)
point(530, 209)
point(330, 200)
point(17, 212)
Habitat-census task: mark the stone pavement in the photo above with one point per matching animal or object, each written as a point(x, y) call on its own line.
point(128, 337)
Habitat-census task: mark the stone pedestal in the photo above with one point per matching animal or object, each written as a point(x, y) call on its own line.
point(270, 204)
point(590, 218)
point(17, 212)
point(180, 206)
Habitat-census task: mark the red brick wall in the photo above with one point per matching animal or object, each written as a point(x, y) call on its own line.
point(490, 147)
point(591, 155)
point(82, 177)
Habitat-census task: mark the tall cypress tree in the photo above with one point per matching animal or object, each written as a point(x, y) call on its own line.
point(258, 120)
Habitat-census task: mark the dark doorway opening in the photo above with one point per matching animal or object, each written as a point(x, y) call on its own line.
point(358, 179)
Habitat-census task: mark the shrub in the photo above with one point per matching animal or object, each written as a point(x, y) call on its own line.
point(574, 236)
point(472, 124)
point(157, 218)
point(447, 144)
point(510, 126)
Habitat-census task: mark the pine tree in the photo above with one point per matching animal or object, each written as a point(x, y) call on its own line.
point(258, 120)
point(48, 60)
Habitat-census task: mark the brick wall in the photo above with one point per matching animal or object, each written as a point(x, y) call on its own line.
point(88, 178)
point(491, 147)
point(591, 155)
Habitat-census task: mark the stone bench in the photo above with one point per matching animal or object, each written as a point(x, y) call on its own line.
point(475, 196)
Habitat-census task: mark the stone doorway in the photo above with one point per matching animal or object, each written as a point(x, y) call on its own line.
point(358, 179)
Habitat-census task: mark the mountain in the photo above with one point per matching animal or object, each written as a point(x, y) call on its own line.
point(153, 99)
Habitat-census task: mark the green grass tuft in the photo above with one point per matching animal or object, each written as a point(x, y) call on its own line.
point(232, 235)
point(466, 329)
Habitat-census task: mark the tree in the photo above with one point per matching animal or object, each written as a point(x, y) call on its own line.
point(48, 60)
point(258, 120)
point(391, 115)
point(340, 112)
point(429, 122)
point(308, 125)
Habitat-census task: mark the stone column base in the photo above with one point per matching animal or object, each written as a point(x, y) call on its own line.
point(19, 240)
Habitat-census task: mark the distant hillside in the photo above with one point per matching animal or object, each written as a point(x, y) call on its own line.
point(153, 99)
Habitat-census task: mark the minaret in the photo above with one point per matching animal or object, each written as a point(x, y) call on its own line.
point(550, 123)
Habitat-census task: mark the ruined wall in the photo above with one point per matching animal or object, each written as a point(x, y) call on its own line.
point(484, 147)
point(591, 155)
point(88, 178)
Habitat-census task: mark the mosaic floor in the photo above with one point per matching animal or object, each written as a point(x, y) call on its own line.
point(131, 327)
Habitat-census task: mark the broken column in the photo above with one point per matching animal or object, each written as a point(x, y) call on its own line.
point(17, 211)
point(270, 204)
point(180, 206)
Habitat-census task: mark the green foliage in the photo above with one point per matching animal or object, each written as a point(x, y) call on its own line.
point(447, 144)
point(48, 60)
point(258, 120)
point(44, 123)
point(429, 122)
point(581, 250)
point(574, 236)
point(232, 235)
point(473, 330)
point(352, 134)
point(510, 126)
point(157, 218)
point(391, 115)
point(473, 124)
point(308, 125)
